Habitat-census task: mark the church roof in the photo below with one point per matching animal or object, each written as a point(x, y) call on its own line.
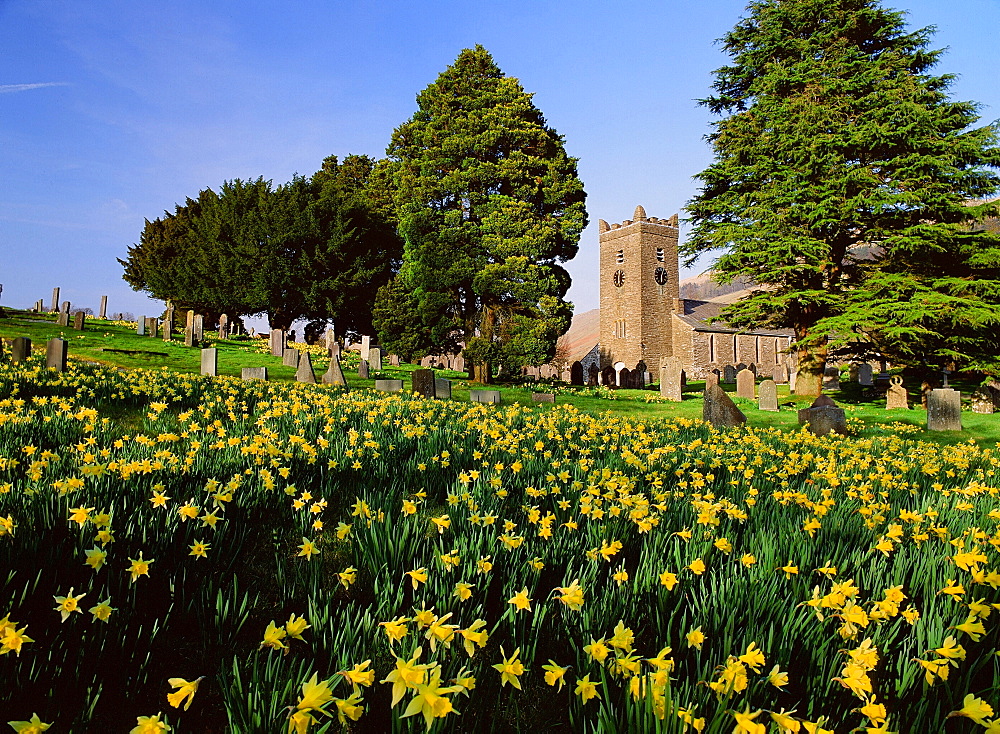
point(698, 315)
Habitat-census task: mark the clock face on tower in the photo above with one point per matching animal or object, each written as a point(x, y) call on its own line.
point(660, 274)
point(619, 278)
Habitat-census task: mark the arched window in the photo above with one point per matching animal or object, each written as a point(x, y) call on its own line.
point(659, 254)
point(620, 257)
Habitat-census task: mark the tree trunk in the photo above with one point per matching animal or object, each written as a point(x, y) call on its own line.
point(812, 363)
point(482, 374)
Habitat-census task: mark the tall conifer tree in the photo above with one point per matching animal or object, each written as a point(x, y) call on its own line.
point(489, 204)
point(841, 186)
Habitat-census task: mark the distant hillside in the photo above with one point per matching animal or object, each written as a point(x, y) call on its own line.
point(703, 288)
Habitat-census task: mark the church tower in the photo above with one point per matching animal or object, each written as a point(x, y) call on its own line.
point(640, 289)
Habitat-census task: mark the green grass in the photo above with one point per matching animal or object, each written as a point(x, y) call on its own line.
point(235, 354)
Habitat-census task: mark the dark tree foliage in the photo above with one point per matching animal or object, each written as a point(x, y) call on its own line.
point(313, 248)
point(488, 205)
point(841, 187)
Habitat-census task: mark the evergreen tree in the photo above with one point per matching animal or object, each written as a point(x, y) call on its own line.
point(841, 184)
point(488, 204)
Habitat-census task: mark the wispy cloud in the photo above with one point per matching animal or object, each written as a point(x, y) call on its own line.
point(5, 88)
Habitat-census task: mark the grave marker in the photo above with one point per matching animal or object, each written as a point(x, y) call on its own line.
point(168, 324)
point(423, 383)
point(290, 358)
point(223, 327)
point(745, 384)
point(982, 403)
point(375, 358)
point(20, 349)
point(729, 374)
point(576, 373)
point(252, 373)
point(277, 337)
point(896, 397)
point(831, 378)
point(305, 373)
point(334, 375)
point(55, 300)
point(102, 313)
point(671, 370)
point(767, 396)
point(485, 396)
point(720, 410)
point(824, 416)
point(199, 328)
point(442, 388)
point(865, 375)
point(389, 385)
point(944, 410)
point(210, 361)
point(55, 354)
point(543, 397)
point(79, 318)
point(140, 326)
point(363, 369)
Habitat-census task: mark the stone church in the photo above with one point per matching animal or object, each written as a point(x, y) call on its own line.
point(643, 318)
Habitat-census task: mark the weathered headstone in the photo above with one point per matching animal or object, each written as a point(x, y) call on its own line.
point(543, 397)
point(720, 410)
point(168, 324)
point(670, 379)
point(253, 373)
point(389, 385)
point(780, 374)
point(711, 378)
point(63, 319)
point(151, 326)
point(865, 375)
point(459, 363)
point(20, 349)
point(745, 384)
point(140, 326)
point(55, 354)
point(55, 300)
point(852, 373)
point(593, 375)
point(394, 360)
point(767, 396)
point(944, 410)
point(831, 378)
point(576, 373)
point(290, 358)
point(375, 358)
point(442, 388)
point(624, 378)
point(210, 361)
point(609, 377)
point(896, 397)
point(793, 377)
point(485, 396)
point(334, 375)
point(79, 319)
point(366, 342)
point(728, 374)
point(334, 349)
point(305, 373)
point(223, 327)
point(363, 369)
point(277, 337)
point(824, 416)
point(103, 311)
point(982, 403)
point(423, 383)
point(199, 328)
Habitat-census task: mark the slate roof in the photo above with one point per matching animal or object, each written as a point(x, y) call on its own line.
point(697, 315)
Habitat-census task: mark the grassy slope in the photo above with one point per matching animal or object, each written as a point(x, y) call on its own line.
point(234, 355)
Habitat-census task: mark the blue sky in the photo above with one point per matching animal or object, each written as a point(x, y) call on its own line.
point(110, 112)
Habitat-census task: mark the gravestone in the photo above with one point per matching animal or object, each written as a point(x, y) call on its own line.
point(20, 349)
point(189, 322)
point(882, 381)
point(670, 379)
point(459, 364)
point(745, 384)
point(366, 345)
point(831, 378)
point(982, 402)
point(199, 328)
point(79, 319)
point(824, 416)
point(389, 385)
point(576, 373)
point(168, 324)
point(728, 374)
point(852, 373)
point(793, 377)
point(442, 388)
point(140, 326)
point(210, 361)
point(394, 360)
point(944, 410)
point(711, 378)
point(720, 410)
point(608, 376)
point(375, 358)
point(334, 349)
point(103, 312)
point(767, 396)
point(543, 397)
point(253, 373)
point(624, 378)
point(423, 383)
point(593, 375)
point(55, 354)
point(896, 397)
point(363, 369)
point(277, 337)
point(305, 373)
point(865, 376)
point(188, 336)
point(63, 319)
point(639, 375)
point(334, 375)
point(55, 300)
point(290, 358)
point(151, 326)
point(485, 396)
point(780, 374)
point(223, 327)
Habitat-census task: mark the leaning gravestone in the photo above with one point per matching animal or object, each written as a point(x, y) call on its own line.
point(729, 374)
point(485, 396)
point(55, 354)
point(55, 299)
point(944, 410)
point(711, 378)
point(254, 373)
point(290, 358)
point(543, 397)
point(767, 396)
point(896, 397)
point(831, 378)
point(363, 369)
point(423, 383)
point(982, 403)
point(824, 416)
point(20, 350)
point(865, 375)
point(442, 388)
point(720, 410)
point(389, 385)
point(745, 384)
point(79, 319)
point(670, 379)
point(210, 361)
point(305, 373)
point(334, 375)
point(102, 313)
